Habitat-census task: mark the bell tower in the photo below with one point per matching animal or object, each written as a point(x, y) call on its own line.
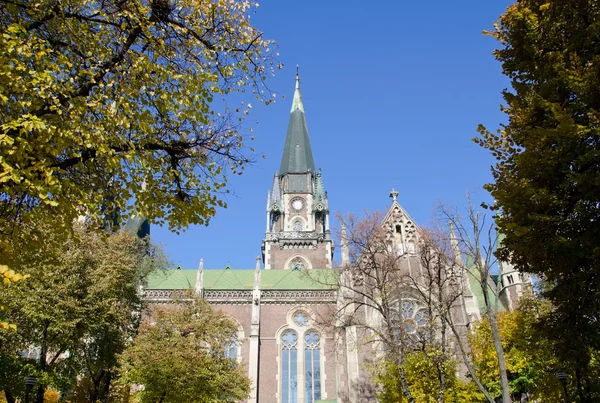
point(297, 235)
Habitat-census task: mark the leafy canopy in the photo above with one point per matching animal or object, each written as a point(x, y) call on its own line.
point(547, 173)
point(78, 312)
point(530, 358)
point(424, 381)
point(112, 100)
point(179, 357)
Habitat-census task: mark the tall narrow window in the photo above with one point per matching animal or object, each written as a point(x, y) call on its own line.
point(312, 367)
point(289, 367)
point(297, 225)
point(230, 350)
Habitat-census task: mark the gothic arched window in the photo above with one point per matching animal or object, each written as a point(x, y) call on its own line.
point(297, 264)
point(300, 319)
point(297, 226)
point(312, 366)
point(289, 367)
point(413, 316)
point(230, 350)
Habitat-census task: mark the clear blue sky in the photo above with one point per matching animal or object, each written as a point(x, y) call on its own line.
point(393, 93)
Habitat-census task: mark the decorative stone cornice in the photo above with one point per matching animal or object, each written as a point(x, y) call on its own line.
point(244, 296)
point(297, 296)
point(228, 296)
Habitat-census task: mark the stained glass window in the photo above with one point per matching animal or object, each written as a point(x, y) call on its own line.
point(297, 225)
point(289, 367)
point(312, 367)
point(413, 316)
point(300, 319)
point(297, 264)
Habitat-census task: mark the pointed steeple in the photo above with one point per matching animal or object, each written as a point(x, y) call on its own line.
point(275, 194)
point(454, 244)
point(320, 194)
point(297, 153)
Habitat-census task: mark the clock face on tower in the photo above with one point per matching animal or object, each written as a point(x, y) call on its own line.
point(297, 204)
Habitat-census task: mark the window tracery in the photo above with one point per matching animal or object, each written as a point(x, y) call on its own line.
point(297, 264)
point(300, 319)
point(289, 367)
point(297, 226)
point(312, 367)
point(412, 316)
point(300, 360)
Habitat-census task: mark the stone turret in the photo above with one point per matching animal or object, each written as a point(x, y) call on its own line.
point(513, 284)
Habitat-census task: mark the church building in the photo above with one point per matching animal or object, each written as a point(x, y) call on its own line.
point(280, 306)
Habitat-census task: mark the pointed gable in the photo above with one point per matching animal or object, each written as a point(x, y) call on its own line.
point(404, 228)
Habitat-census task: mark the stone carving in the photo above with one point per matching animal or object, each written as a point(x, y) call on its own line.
point(300, 319)
point(289, 340)
point(320, 207)
point(297, 264)
point(164, 295)
point(295, 296)
point(312, 340)
point(275, 236)
point(244, 296)
point(232, 296)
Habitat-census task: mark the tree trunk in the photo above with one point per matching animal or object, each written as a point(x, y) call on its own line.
point(96, 387)
point(467, 362)
point(42, 364)
point(398, 360)
point(404, 385)
point(442, 377)
point(441, 297)
point(501, 362)
point(492, 315)
point(106, 389)
point(9, 397)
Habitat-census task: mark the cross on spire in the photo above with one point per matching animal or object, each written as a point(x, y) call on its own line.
point(394, 194)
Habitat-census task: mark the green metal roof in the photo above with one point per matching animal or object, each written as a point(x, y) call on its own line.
point(474, 276)
point(297, 153)
point(241, 279)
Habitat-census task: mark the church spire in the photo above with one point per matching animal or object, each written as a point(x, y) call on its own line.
point(297, 153)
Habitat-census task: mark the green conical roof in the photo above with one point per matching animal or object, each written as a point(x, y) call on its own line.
point(297, 153)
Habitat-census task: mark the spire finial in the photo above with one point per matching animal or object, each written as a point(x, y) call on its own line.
point(394, 194)
point(200, 277)
point(297, 101)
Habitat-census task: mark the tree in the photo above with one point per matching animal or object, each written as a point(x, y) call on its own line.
point(179, 357)
point(530, 357)
point(476, 239)
point(422, 376)
point(8, 277)
point(441, 284)
point(404, 298)
point(548, 164)
point(76, 315)
point(103, 102)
